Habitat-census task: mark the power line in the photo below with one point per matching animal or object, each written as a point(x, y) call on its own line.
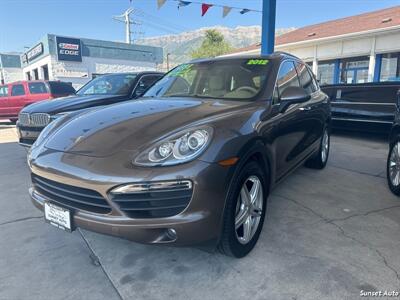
point(219, 5)
point(159, 21)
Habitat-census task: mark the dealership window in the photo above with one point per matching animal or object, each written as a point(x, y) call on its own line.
point(354, 70)
point(326, 72)
point(390, 67)
point(28, 76)
point(35, 74)
point(45, 70)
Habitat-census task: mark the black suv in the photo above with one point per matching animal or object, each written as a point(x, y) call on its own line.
point(103, 90)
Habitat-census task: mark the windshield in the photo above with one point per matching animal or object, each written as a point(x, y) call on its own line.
point(112, 84)
point(238, 79)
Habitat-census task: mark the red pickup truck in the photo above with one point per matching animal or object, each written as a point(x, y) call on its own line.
point(17, 95)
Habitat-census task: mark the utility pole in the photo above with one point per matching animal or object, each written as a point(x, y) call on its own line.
point(126, 18)
point(127, 27)
point(168, 54)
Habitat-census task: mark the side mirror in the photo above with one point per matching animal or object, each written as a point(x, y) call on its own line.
point(292, 95)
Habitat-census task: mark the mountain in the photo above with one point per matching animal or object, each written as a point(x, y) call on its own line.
point(181, 45)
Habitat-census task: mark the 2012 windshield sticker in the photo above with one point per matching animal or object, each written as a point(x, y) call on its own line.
point(259, 62)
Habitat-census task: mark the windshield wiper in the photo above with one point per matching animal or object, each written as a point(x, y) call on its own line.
point(177, 95)
point(191, 96)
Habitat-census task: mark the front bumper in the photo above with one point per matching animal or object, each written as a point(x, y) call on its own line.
point(198, 224)
point(27, 135)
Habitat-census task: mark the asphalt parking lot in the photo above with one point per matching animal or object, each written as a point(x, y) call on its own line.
point(328, 235)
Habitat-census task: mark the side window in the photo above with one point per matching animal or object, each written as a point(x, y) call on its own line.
point(3, 91)
point(37, 88)
point(287, 77)
point(17, 90)
point(144, 83)
point(314, 79)
point(306, 81)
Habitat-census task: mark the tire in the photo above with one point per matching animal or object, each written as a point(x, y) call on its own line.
point(233, 241)
point(392, 170)
point(320, 159)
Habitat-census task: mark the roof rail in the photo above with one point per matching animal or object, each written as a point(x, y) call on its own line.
point(285, 53)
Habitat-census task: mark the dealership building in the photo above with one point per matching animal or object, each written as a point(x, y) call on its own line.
point(357, 49)
point(10, 67)
point(77, 60)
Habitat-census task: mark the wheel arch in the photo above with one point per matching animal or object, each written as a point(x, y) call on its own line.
point(257, 150)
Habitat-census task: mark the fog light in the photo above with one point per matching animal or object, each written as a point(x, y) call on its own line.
point(171, 233)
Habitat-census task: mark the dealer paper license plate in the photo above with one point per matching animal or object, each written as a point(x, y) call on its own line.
point(57, 216)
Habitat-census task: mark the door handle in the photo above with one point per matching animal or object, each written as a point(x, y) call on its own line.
point(305, 108)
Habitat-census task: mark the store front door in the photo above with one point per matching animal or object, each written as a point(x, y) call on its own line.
point(354, 75)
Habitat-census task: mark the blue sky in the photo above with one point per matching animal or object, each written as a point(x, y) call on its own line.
point(24, 22)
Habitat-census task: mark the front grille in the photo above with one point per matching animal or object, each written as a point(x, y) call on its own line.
point(36, 120)
point(153, 204)
point(23, 119)
point(71, 196)
point(39, 119)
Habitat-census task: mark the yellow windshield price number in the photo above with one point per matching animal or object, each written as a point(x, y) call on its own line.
point(258, 62)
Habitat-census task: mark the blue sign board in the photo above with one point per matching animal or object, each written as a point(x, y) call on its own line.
point(69, 49)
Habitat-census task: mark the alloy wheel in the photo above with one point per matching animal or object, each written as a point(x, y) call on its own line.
point(394, 165)
point(249, 209)
point(325, 146)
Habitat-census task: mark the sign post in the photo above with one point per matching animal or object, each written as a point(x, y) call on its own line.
point(268, 27)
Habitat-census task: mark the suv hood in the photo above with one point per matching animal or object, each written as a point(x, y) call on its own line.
point(71, 103)
point(134, 125)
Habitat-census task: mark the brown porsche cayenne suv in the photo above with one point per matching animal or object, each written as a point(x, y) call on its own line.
point(190, 163)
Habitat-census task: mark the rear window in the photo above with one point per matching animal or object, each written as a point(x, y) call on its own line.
point(37, 88)
point(3, 91)
point(61, 88)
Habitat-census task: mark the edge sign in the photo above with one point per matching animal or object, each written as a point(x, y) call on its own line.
point(69, 49)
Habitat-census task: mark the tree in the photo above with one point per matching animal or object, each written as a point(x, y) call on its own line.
point(213, 45)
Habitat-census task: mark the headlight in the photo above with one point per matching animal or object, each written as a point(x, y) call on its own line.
point(179, 148)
